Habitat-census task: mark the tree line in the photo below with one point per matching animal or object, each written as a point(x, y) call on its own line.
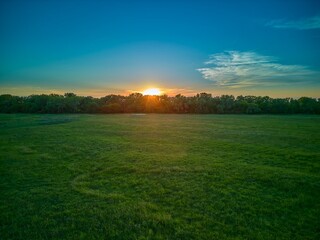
point(138, 103)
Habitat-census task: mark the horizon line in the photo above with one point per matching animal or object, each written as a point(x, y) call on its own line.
point(174, 95)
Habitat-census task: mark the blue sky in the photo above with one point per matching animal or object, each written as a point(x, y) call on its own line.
point(101, 47)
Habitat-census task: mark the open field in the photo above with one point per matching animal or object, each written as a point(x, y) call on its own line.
point(159, 177)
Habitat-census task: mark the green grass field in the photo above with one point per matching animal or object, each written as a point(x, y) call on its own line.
point(159, 177)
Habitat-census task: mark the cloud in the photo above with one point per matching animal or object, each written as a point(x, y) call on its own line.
point(302, 24)
point(234, 69)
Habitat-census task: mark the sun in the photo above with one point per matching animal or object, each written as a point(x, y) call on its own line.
point(152, 91)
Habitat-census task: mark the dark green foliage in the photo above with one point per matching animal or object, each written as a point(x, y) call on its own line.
point(137, 103)
point(135, 176)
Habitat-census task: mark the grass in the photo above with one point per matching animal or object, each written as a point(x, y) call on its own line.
point(159, 177)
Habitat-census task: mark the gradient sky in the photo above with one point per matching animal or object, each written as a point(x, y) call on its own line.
point(102, 47)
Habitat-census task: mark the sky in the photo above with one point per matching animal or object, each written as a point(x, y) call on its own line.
point(95, 48)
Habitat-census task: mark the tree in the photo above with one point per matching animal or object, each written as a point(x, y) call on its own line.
point(136, 103)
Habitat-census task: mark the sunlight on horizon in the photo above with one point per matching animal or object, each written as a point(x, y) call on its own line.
point(152, 91)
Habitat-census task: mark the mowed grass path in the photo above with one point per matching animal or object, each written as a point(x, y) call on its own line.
point(159, 177)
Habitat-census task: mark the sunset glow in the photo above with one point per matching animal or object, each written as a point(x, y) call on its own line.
point(117, 47)
point(152, 91)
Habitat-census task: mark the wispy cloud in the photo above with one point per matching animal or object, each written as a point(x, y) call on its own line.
point(301, 24)
point(234, 69)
